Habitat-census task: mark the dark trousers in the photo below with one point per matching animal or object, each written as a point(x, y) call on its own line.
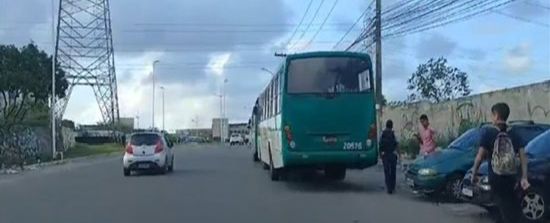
point(390, 163)
point(506, 199)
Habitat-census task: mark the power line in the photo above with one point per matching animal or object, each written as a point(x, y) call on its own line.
point(309, 25)
point(300, 23)
point(353, 25)
point(322, 24)
point(536, 4)
point(432, 15)
point(522, 19)
point(446, 22)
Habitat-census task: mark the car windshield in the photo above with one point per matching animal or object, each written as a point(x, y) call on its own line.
point(328, 75)
point(144, 139)
point(466, 141)
point(540, 146)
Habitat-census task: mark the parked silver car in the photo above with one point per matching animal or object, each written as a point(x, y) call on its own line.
point(148, 151)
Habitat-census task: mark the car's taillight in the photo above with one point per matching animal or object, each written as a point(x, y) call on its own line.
point(129, 149)
point(159, 147)
point(289, 137)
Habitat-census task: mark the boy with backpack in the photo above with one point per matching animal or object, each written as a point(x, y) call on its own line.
point(500, 146)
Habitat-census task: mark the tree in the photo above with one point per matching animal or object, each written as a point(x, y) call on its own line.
point(25, 87)
point(435, 81)
point(25, 82)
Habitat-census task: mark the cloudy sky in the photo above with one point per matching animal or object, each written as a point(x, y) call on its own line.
point(201, 43)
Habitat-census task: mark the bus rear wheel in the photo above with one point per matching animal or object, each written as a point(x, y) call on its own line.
point(335, 173)
point(255, 156)
point(274, 173)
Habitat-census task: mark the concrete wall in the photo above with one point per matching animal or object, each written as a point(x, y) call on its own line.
point(529, 102)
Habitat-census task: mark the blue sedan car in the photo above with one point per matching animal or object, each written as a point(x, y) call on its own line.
point(534, 201)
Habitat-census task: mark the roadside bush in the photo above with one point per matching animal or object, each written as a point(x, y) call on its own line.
point(411, 147)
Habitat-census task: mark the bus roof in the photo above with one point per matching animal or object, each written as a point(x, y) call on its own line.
point(328, 54)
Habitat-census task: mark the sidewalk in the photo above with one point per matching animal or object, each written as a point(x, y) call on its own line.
point(31, 167)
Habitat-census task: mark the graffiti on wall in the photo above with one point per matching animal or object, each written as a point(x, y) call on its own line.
point(17, 147)
point(408, 120)
point(467, 116)
point(537, 111)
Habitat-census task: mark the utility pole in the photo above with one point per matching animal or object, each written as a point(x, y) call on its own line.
point(153, 115)
point(378, 77)
point(53, 101)
point(163, 114)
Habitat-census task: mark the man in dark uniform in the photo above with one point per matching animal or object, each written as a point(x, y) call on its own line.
point(388, 152)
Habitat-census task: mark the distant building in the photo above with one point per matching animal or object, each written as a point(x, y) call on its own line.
point(220, 129)
point(127, 122)
point(204, 133)
point(238, 128)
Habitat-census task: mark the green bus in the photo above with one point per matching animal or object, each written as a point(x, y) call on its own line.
point(317, 112)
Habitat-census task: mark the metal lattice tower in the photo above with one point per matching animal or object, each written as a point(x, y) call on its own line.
point(84, 50)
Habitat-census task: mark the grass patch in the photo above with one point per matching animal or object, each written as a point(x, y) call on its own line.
point(81, 149)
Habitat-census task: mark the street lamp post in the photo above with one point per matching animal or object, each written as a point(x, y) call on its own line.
point(153, 115)
point(162, 88)
point(269, 71)
point(53, 101)
point(223, 110)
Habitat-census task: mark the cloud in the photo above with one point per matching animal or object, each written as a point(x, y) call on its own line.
point(474, 54)
point(192, 39)
point(435, 45)
point(528, 9)
point(517, 60)
point(217, 63)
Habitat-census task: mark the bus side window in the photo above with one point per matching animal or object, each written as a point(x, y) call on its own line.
point(277, 85)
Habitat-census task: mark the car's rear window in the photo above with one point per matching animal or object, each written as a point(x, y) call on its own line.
point(144, 139)
point(529, 133)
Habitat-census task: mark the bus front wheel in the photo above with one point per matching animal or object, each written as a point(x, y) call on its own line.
point(335, 173)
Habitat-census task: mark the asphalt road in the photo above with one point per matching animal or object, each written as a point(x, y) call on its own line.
point(211, 184)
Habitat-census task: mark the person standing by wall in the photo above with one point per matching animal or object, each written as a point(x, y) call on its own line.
point(426, 136)
point(389, 153)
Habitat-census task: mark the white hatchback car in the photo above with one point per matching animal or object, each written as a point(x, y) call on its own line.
point(235, 139)
point(148, 151)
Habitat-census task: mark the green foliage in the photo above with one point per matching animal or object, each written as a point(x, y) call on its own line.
point(435, 81)
point(81, 149)
point(25, 82)
point(466, 125)
point(409, 146)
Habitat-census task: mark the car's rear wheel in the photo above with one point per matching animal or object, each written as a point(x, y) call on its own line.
point(126, 171)
point(453, 188)
point(335, 173)
point(171, 167)
point(164, 168)
point(533, 205)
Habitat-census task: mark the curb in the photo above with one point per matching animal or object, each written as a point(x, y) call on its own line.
point(36, 166)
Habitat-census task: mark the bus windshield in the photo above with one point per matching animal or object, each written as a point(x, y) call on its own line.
point(328, 75)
